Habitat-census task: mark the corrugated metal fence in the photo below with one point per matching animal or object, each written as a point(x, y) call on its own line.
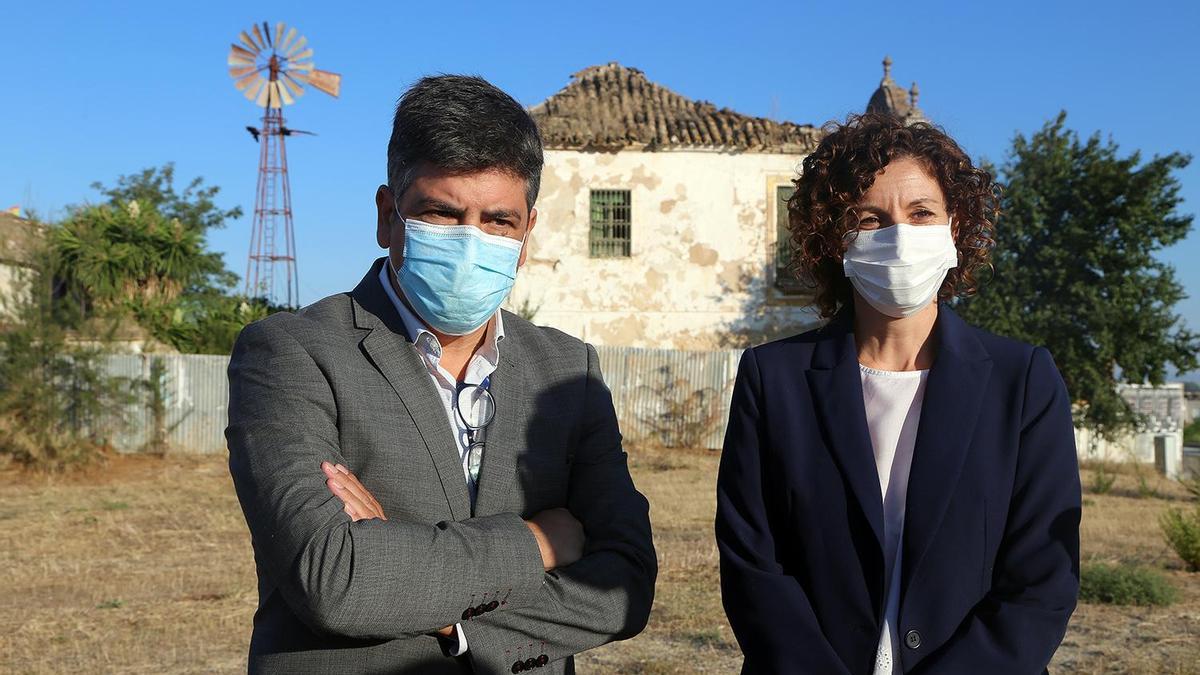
point(195, 396)
point(673, 398)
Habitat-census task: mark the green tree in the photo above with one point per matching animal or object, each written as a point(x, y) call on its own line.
point(144, 255)
point(131, 257)
point(1075, 267)
point(154, 188)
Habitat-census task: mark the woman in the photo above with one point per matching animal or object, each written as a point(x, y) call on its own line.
point(898, 490)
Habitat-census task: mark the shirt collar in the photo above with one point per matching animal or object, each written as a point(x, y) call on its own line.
point(416, 328)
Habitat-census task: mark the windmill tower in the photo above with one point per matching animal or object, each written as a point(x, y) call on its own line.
point(271, 69)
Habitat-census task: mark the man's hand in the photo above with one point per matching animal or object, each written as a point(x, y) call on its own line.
point(559, 536)
point(359, 503)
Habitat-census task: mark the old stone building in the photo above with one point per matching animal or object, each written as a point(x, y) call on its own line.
point(662, 220)
point(659, 217)
point(18, 238)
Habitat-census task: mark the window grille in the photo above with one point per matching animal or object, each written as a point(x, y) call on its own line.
point(611, 212)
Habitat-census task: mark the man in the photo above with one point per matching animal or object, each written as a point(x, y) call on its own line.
point(433, 484)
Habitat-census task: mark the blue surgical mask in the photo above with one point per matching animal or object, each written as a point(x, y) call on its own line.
point(456, 276)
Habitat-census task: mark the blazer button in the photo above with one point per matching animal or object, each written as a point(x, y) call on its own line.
point(491, 606)
point(543, 660)
point(517, 667)
point(530, 663)
point(912, 639)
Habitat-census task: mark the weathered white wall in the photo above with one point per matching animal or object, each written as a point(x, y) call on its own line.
point(702, 267)
point(14, 288)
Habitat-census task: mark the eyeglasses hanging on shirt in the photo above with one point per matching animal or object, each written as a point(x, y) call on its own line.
point(476, 408)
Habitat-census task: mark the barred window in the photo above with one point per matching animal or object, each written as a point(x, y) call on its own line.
point(610, 224)
point(785, 280)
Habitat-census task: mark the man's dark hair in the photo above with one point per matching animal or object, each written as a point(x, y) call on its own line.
point(463, 124)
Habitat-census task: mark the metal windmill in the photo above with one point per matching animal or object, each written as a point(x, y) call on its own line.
point(271, 69)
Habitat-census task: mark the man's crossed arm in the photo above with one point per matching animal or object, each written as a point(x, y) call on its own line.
point(376, 578)
point(559, 535)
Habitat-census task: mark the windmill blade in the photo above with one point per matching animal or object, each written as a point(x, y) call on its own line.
point(262, 44)
point(239, 71)
point(254, 49)
point(267, 33)
point(244, 55)
point(252, 92)
point(283, 93)
point(291, 35)
point(248, 81)
point(263, 96)
point(273, 99)
point(330, 83)
point(278, 34)
point(297, 90)
point(306, 54)
point(291, 52)
point(304, 67)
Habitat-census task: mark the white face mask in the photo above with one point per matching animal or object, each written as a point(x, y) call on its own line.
point(898, 270)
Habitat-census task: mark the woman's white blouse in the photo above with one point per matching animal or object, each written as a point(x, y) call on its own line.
point(893, 404)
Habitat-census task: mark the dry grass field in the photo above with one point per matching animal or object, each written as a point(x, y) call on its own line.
point(144, 566)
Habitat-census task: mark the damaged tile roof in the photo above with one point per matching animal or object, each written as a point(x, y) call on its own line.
point(611, 107)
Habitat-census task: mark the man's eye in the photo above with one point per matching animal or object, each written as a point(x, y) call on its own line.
point(923, 214)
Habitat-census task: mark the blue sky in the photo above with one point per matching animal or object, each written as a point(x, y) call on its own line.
point(96, 90)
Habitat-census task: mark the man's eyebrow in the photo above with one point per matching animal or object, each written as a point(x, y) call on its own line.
point(499, 214)
point(431, 204)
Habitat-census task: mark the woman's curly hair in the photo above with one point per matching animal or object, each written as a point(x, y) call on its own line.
point(841, 170)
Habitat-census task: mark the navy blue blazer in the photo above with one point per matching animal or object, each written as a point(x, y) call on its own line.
point(990, 570)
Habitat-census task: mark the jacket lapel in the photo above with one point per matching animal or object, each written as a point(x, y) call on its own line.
point(389, 349)
point(498, 474)
point(836, 387)
point(953, 396)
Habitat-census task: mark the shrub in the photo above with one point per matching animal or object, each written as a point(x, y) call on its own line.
point(1103, 478)
point(1182, 532)
point(58, 405)
point(674, 413)
point(1124, 585)
point(1191, 432)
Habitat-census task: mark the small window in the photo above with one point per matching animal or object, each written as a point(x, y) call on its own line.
point(785, 279)
point(610, 224)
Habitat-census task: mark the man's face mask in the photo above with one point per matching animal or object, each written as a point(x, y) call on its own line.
point(456, 276)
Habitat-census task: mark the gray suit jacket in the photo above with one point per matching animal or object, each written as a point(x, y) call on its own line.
point(339, 381)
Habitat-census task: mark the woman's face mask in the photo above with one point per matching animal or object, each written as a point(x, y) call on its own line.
point(898, 270)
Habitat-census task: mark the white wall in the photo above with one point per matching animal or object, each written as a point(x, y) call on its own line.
point(14, 288)
point(701, 271)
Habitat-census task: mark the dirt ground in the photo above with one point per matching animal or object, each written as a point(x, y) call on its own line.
point(144, 566)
